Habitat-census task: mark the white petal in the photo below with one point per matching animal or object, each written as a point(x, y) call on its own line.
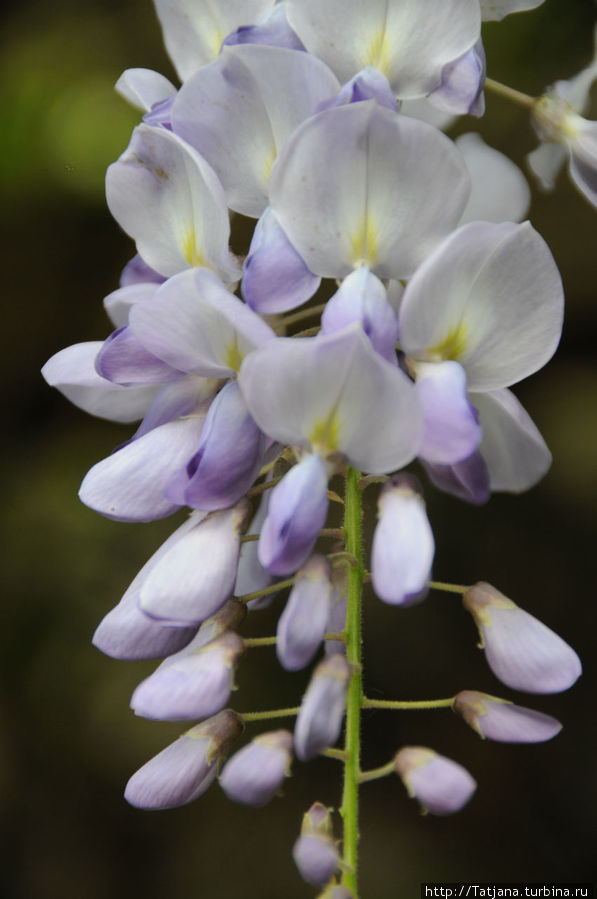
point(545, 162)
point(194, 29)
point(334, 394)
point(194, 320)
point(514, 451)
point(196, 577)
point(362, 185)
point(170, 201)
point(130, 485)
point(118, 303)
point(490, 297)
point(72, 372)
point(499, 190)
point(143, 87)
point(403, 546)
point(583, 161)
point(408, 40)
point(239, 111)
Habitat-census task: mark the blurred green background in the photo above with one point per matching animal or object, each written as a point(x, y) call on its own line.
point(68, 741)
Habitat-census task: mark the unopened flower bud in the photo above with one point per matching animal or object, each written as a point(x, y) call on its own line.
point(254, 774)
point(441, 785)
point(403, 544)
point(302, 624)
point(322, 709)
point(498, 719)
point(196, 577)
point(520, 650)
point(317, 820)
point(195, 684)
point(186, 768)
point(315, 852)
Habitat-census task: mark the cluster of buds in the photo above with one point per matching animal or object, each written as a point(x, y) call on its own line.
point(443, 300)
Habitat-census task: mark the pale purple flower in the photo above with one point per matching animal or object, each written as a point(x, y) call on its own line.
point(193, 684)
point(186, 769)
point(195, 29)
point(322, 709)
point(520, 650)
point(238, 112)
point(255, 773)
point(403, 544)
point(196, 576)
point(409, 41)
point(188, 225)
point(316, 857)
point(275, 277)
point(296, 513)
point(497, 719)
point(441, 785)
point(303, 623)
point(557, 118)
point(377, 223)
point(315, 852)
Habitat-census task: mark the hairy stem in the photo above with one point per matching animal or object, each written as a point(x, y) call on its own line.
point(352, 747)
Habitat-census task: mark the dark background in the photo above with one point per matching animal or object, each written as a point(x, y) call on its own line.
point(68, 741)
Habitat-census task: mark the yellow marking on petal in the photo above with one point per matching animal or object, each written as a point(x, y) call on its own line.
point(325, 435)
point(215, 41)
point(269, 162)
point(190, 250)
point(233, 355)
point(363, 244)
point(452, 346)
point(377, 53)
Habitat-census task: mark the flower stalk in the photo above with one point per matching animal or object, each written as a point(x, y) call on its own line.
point(354, 700)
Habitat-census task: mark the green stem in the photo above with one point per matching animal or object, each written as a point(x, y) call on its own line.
point(265, 716)
point(376, 773)
point(510, 93)
point(406, 705)
point(259, 641)
point(352, 746)
point(448, 588)
point(279, 585)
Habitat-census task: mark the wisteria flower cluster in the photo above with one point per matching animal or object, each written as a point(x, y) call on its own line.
point(313, 119)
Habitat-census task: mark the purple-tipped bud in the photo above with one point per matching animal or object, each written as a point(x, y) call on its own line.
point(320, 716)
point(403, 545)
point(468, 480)
point(368, 84)
point(498, 719)
point(461, 88)
point(362, 298)
point(186, 768)
point(195, 685)
point(254, 774)
point(315, 852)
point(441, 785)
point(272, 30)
point(297, 511)
point(228, 458)
point(196, 577)
point(520, 650)
point(302, 624)
point(275, 277)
